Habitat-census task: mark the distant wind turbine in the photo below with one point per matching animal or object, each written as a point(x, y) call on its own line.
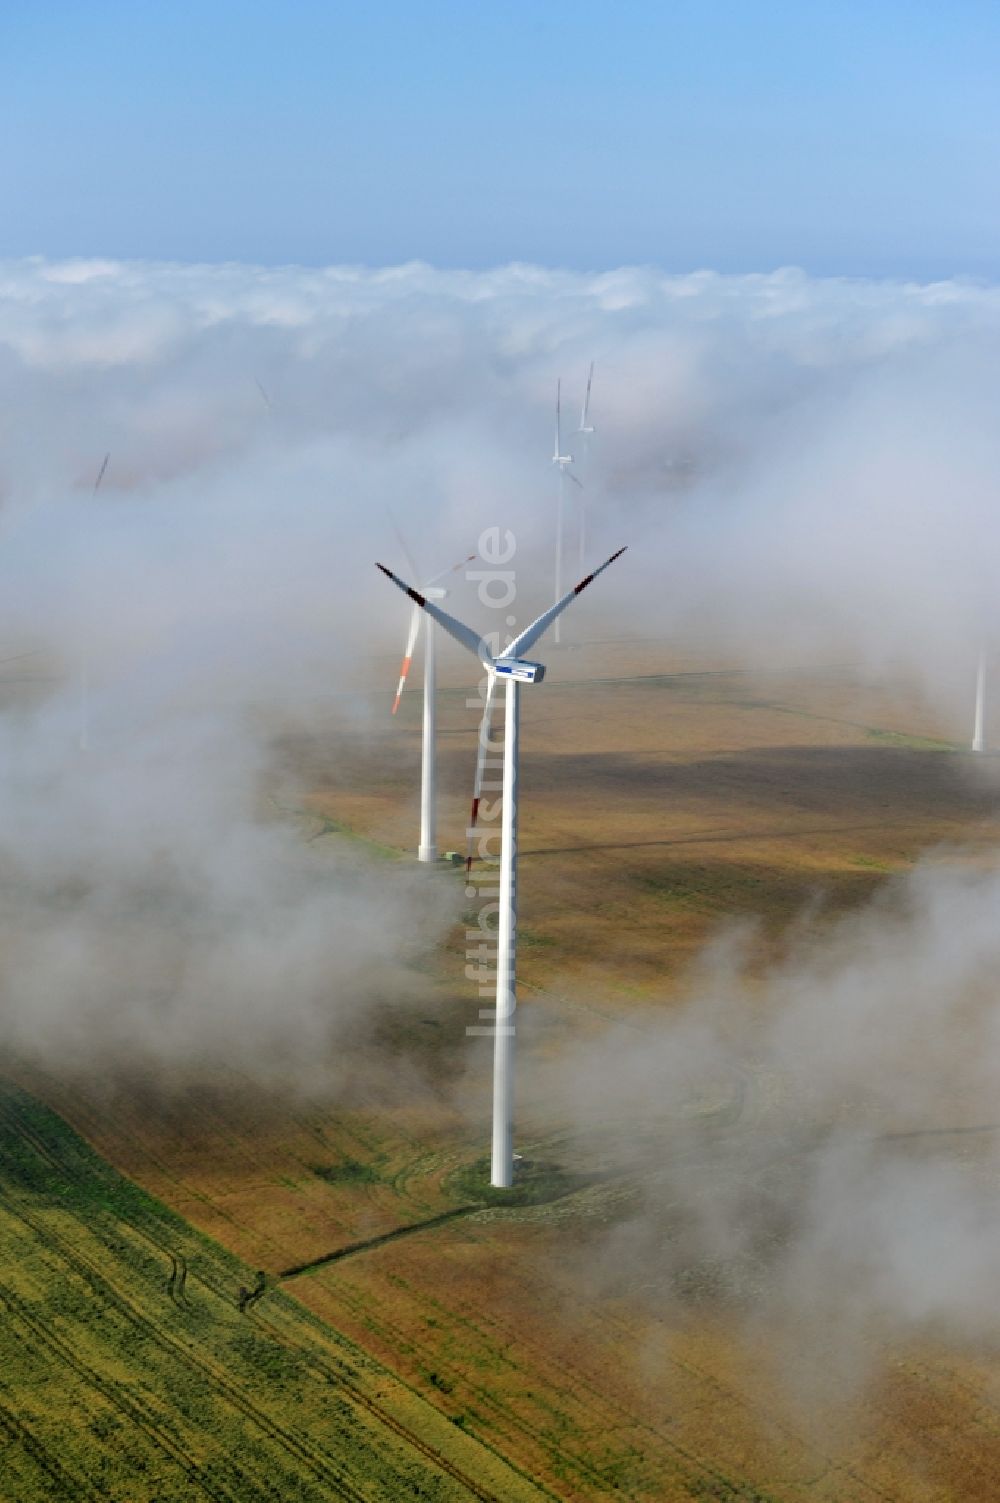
point(562, 463)
point(979, 721)
point(585, 431)
point(515, 671)
point(427, 850)
point(85, 706)
point(85, 662)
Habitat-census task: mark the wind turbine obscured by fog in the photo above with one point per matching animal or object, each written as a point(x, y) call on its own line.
point(562, 463)
point(85, 660)
point(979, 719)
point(585, 431)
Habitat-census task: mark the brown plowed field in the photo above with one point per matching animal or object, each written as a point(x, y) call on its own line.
point(660, 798)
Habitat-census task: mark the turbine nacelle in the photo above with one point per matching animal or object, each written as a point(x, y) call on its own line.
point(519, 669)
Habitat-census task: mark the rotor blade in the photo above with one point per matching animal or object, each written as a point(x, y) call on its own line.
point(531, 633)
point(267, 399)
point(485, 732)
point(586, 400)
point(411, 642)
point(403, 548)
point(558, 420)
point(468, 559)
point(570, 476)
point(457, 629)
point(100, 473)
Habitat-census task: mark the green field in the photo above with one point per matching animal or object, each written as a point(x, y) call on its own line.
point(130, 1372)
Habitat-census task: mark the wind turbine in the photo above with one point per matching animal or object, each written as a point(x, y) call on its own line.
point(85, 659)
point(978, 725)
point(427, 850)
point(585, 430)
point(562, 463)
point(515, 671)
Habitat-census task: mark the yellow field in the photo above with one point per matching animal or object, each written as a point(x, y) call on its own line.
point(655, 805)
point(131, 1371)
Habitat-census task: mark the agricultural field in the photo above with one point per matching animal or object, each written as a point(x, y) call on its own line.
point(142, 1361)
point(422, 1334)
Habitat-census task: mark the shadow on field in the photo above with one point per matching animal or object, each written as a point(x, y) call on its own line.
point(708, 837)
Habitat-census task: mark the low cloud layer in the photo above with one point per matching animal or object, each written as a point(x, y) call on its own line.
point(794, 461)
point(155, 913)
point(803, 469)
point(814, 1150)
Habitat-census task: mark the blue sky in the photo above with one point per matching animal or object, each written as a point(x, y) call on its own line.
point(845, 138)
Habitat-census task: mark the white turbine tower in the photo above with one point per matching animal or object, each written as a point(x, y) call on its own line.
point(978, 724)
point(515, 671)
point(562, 463)
point(427, 850)
point(585, 431)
